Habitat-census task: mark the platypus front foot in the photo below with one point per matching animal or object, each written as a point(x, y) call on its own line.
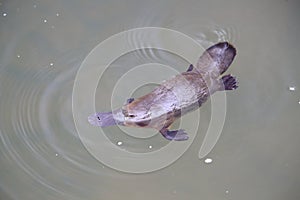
point(177, 135)
point(191, 67)
point(128, 101)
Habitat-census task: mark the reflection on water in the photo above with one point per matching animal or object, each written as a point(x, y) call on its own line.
point(43, 44)
point(292, 88)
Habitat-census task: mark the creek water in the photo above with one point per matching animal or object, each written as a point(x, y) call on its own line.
point(44, 43)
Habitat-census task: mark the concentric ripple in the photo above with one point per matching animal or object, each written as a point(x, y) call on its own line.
point(39, 143)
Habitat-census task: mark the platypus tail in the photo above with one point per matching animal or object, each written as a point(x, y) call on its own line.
point(102, 119)
point(216, 59)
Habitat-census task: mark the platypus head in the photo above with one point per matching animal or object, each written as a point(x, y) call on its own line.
point(132, 113)
point(216, 59)
point(143, 112)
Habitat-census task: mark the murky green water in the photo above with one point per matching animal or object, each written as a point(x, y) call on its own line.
point(43, 43)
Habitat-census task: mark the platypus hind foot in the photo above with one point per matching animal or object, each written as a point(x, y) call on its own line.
point(177, 135)
point(230, 82)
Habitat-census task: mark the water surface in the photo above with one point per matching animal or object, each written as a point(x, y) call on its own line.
point(43, 44)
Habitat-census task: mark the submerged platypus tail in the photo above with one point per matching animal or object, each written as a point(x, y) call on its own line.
point(216, 59)
point(102, 119)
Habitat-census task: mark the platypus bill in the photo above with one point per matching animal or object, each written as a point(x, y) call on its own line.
point(173, 98)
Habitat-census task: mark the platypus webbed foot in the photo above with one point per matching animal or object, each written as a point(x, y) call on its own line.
point(230, 82)
point(177, 135)
point(128, 101)
point(191, 67)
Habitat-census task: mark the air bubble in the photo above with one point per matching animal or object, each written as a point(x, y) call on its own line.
point(292, 88)
point(4, 14)
point(150, 147)
point(208, 160)
point(45, 21)
point(119, 143)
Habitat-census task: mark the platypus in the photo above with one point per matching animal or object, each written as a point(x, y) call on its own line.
point(173, 98)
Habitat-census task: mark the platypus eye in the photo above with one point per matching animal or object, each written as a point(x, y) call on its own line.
point(131, 115)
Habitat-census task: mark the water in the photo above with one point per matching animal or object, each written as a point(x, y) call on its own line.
point(43, 44)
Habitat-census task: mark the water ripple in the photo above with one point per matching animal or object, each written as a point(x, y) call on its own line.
point(37, 135)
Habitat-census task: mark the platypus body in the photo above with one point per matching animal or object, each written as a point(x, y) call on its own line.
point(181, 94)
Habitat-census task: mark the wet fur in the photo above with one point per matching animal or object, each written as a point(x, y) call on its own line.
point(173, 98)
